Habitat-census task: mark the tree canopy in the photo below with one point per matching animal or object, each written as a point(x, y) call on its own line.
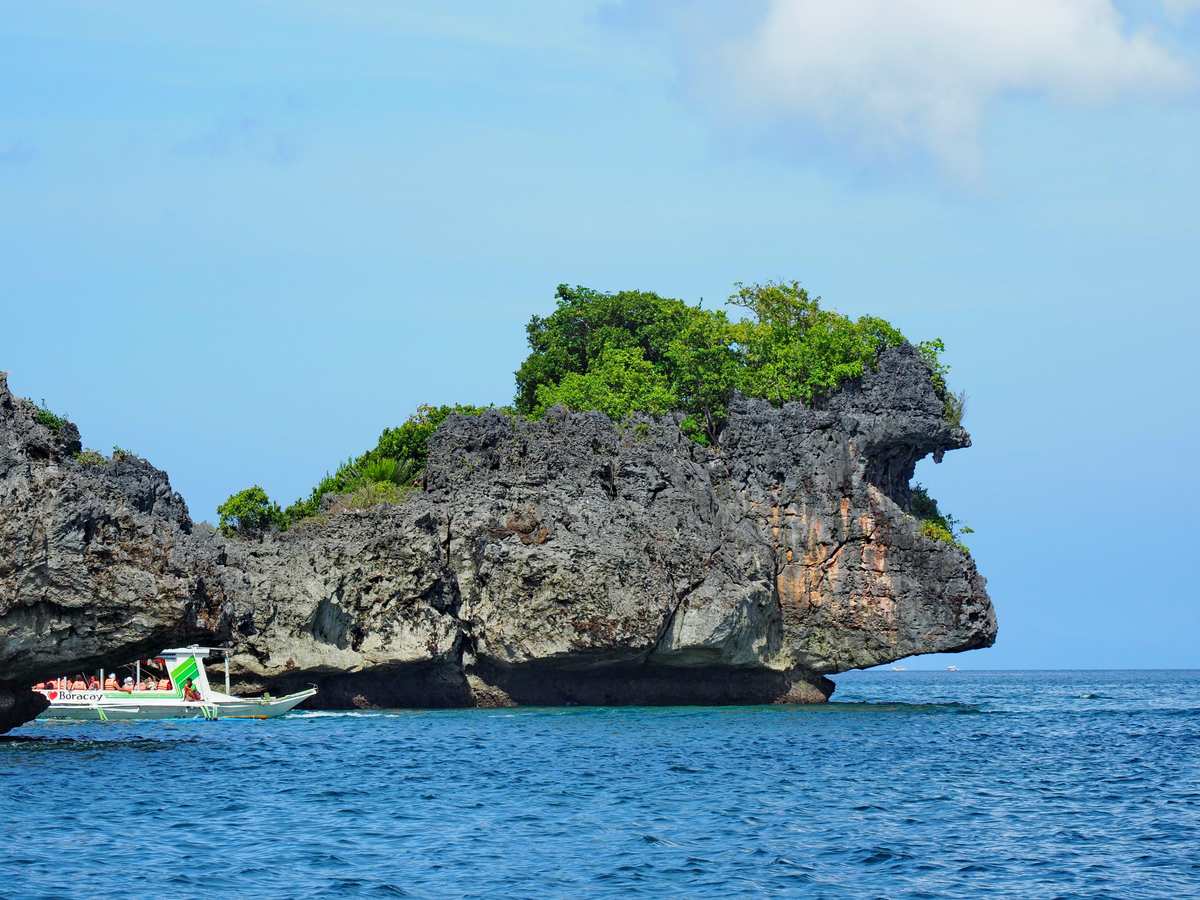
point(618, 382)
point(249, 512)
point(634, 351)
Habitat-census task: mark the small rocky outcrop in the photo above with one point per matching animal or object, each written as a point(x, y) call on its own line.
point(98, 562)
point(568, 560)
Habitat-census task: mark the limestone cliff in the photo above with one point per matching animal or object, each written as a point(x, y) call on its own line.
point(566, 560)
point(98, 563)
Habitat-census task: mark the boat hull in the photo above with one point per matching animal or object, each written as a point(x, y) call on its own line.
point(98, 707)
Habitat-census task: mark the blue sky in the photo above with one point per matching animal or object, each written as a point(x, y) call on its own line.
point(242, 245)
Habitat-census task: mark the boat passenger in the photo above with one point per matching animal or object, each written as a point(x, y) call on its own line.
point(127, 686)
point(189, 692)
point(39, 686)
point(79, 684)
point(164, 684)
point(110, 682)
point(93, 683)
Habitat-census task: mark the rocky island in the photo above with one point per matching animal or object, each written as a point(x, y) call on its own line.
point(609, 541)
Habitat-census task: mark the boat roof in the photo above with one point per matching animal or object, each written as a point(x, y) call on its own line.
point(191, 651)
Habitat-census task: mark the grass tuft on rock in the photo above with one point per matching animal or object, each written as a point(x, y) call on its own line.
point(90, 458)
point(934, 523)
point(44, 416)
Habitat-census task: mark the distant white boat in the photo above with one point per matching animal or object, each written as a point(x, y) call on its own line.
point(190, 697)
point(951, 668)
point(899, 668)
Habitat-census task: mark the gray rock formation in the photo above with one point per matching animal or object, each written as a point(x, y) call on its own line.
point(97, 564)
point(571, 560)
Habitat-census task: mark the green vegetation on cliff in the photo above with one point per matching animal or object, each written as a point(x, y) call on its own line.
point(387, 470)
point(384, 474)
point(634, 351)
point(248, 512)
point(90, 458)
point(51, 420)
point(637, 352)
point(936, 524)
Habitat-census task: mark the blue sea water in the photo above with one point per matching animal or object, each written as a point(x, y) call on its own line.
point(912, 784)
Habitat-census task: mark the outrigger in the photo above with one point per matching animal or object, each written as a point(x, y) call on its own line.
point(185, 667)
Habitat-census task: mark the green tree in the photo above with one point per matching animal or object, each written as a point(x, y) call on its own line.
point(794, 350)
point(705, 367)
point(585, 323)
point(410, 441)
point(398, 458)
point(787, 348)
point(620, 381)
point(692, 349)
point(250, 512)
point(783, 309)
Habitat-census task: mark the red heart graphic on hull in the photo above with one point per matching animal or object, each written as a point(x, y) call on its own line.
point(52, 695)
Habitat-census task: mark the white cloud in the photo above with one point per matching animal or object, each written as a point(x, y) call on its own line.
point(891, 75)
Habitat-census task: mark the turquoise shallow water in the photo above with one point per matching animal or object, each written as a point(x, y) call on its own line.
point(913, 784)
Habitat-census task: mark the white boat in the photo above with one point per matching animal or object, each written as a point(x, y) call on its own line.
point(951, 668)
point(185, 667)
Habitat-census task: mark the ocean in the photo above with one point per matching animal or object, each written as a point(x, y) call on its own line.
point(911, 784)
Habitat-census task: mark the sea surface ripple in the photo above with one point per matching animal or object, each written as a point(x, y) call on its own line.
point(913, 784)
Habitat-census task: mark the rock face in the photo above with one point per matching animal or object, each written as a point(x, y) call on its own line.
point(98, 564)
point(571, 560)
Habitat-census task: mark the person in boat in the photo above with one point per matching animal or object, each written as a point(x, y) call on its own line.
point(93, 683)
point(189, 692)
point(127, 684)
point(110, 682)
point(164, 684)
point(79, 684)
